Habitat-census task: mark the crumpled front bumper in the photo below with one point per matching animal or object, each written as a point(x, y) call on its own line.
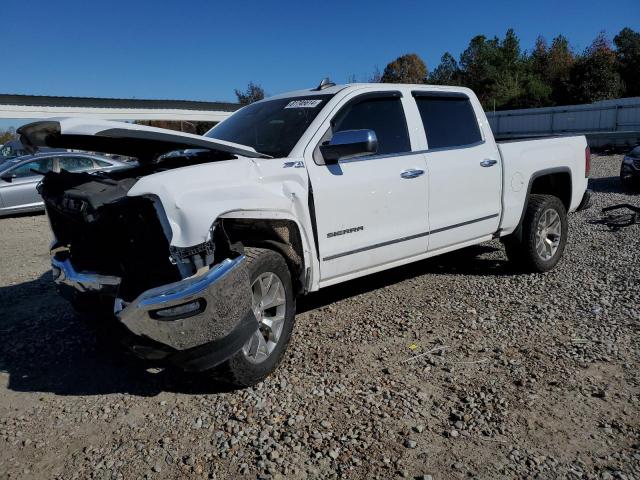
point(195, 323)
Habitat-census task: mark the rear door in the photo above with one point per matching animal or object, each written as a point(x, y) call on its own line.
point(369, 211)
point(465, 177)
point(20, 193)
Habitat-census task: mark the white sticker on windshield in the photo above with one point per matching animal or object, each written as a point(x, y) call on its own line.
point(303, 104)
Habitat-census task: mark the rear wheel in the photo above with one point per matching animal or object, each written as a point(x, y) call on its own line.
point(540, 243)
point(273, 304)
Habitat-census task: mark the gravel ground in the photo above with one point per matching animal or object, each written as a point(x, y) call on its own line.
point(520, 375)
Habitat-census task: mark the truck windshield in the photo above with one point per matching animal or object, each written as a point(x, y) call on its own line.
point(272, 127)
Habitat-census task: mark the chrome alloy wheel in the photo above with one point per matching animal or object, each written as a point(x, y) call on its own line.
point(548, 234)
point(269, 304)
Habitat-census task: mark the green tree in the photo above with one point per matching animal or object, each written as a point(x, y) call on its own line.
point(537, 88)
point(409, 68)
point(510, 55)
point(479, 68)
point(447, 72)
point(628, 53)
point(594, 75)
point(510, 81)
point(535, 92)
point(253, 93)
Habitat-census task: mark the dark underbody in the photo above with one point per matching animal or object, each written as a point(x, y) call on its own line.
point(99, 229)
point(112, 234)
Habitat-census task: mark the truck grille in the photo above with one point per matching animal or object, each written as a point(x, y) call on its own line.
point(123, 239)
point(636, 163)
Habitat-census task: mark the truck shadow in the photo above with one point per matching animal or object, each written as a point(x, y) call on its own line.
point(467, 261)
point(46, 348)
point(37, 213)
point(606, 185)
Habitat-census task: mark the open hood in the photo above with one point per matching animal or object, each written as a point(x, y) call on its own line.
point(142, 142)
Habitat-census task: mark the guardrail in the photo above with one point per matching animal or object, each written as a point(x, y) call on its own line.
point(614, 122)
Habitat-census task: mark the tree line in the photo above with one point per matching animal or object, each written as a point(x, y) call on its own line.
point(504, 76)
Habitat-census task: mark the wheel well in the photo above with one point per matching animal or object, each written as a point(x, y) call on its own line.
point(557, 184)
point(282, 236)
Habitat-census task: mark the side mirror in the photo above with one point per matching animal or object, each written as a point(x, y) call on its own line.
point(349, 144)
point(8, 177)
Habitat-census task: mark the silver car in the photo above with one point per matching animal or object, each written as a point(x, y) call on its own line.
point(18, 177)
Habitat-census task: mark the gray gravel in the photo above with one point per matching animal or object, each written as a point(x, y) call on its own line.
point(527, 375)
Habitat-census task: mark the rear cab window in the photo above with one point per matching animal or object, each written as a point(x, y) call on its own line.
point(448, 119)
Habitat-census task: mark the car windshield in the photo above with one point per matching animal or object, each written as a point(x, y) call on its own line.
point(272, 127)
point(635, 153)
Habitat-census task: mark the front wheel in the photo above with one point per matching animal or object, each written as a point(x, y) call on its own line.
point(540, 243)
point(273, 304)
point(626, 179)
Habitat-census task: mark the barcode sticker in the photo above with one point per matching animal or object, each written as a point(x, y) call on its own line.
point(303, 104)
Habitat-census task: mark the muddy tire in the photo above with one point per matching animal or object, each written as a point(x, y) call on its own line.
point(629, 184)
point(539, 245)
point(274, 306)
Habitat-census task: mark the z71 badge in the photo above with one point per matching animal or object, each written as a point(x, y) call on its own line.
point(297, 164)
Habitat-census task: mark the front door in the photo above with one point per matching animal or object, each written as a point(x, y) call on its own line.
point(370, 211)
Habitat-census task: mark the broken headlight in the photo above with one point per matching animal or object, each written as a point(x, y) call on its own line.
point(194, 257)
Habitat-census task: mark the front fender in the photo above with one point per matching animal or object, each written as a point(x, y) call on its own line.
point(194, 197)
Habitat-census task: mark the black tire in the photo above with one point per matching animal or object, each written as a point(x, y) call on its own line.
point(628, 184)
point(521, 246)
point(239, 370)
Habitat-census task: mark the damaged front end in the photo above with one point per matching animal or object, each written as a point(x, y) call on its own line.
point(190, 307)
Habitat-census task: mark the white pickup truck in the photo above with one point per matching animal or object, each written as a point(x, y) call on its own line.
point(197, 257)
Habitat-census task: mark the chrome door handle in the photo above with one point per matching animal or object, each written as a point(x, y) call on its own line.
point(489, 162)
point(411, 173)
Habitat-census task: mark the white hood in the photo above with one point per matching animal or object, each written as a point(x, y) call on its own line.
point(142, 142)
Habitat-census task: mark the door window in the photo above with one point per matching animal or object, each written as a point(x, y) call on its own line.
point(26, 169)
point(449, 121)
point(383, 115)
point(102, 163)
point(75, 164)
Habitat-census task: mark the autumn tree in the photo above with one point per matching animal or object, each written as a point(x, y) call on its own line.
point(409, 68)
point(504, 76)
point(539, 59)
point(253, 93)
point(7, 135)
point(594, 75)
point(560, 62)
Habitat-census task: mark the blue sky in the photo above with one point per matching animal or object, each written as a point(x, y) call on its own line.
point(204, 49)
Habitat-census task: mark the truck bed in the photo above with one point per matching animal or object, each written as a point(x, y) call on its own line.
point(525, 160)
